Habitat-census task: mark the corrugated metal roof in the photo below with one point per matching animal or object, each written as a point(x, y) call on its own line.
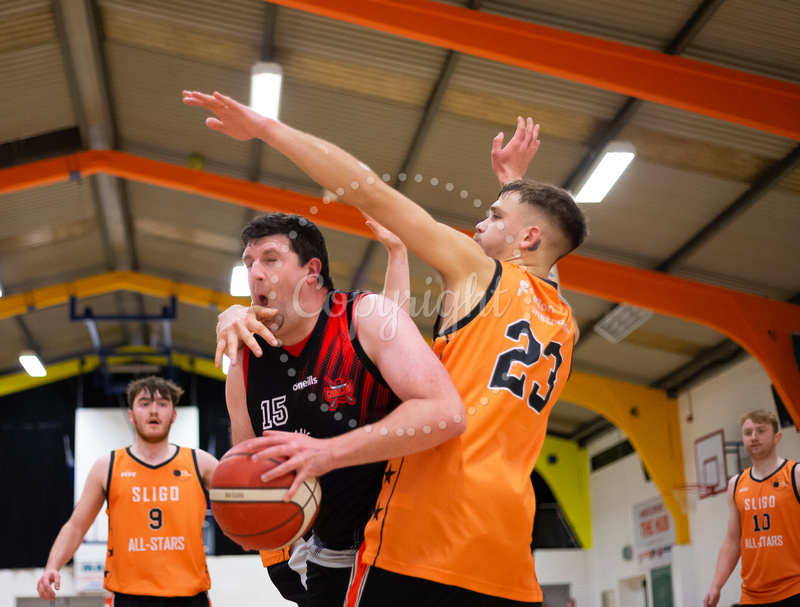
point(651, 25)
point(760, 36)
point(367, 92)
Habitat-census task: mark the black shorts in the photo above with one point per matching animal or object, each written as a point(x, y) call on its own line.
point(792, 601)
point(381, 588)
point(327, 586)
point(136, 600)
point(288, 583)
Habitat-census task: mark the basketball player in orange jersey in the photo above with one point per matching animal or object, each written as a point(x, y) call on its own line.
point(156, 494)
point(352, 372)
point(453, 525)
point(763, 521)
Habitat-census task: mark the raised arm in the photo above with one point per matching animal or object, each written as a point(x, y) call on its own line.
point(397, 284)
point(453, 254)
point(511, 162)
point(430, 413)
point(74, 530)
point(729, 552)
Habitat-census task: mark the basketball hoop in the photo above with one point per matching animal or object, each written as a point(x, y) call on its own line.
point(687, 495)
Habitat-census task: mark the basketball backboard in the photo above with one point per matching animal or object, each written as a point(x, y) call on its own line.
point(712, 469)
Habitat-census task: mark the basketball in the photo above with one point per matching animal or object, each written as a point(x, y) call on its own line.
point(253, 513)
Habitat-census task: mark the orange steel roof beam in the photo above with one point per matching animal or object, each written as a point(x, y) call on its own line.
point(244, 193)
point(731, 95)
point(762, 326)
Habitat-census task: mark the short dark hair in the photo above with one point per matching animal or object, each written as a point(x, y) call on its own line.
point(151, 385)
point(760, 416)
point(557, 203)
point(306, 240)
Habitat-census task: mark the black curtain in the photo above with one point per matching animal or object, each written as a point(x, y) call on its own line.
point(37, 428)
point(37, 433)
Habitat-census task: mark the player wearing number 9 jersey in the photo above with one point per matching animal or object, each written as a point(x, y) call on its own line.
point(156, 496)
point(155, 525)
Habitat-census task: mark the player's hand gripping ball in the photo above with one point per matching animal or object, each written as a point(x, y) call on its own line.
point(253, 513)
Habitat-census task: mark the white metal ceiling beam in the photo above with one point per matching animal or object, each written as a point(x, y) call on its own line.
point(75, 21)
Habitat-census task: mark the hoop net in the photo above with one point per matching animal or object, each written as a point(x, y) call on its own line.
point(688, 494)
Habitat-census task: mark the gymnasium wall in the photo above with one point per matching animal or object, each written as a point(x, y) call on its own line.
point(617, 488)
point(717, 404)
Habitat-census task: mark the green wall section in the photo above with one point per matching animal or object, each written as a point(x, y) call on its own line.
point(568, 479)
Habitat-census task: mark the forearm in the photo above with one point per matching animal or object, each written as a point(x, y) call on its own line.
point(448, 250)
point(397, 286)
point(351, 180)
point(67, 543)
point(416, 425)
point(236, 400)
point(329, 165)
point(729, 555)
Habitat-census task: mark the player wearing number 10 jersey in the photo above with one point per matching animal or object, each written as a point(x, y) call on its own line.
point(763, 521)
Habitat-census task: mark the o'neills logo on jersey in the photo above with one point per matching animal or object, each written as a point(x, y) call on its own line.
point(130, 473)
point(339, 392)
point(308, 381)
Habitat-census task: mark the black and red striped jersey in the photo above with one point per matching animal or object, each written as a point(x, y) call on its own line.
point(330, 387)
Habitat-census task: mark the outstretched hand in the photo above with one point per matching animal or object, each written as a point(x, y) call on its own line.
point(236, 327)
point(384, 236)
point(304, 455)
point(511, 162)
point(233, 118)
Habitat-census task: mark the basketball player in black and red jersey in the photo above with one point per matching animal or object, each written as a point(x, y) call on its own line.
point(504, 334)
point(156, 494)
point(350, 369)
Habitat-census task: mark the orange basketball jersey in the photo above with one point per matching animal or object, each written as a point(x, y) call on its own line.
point(770, 516)
point(155, 526)
point(462, 513)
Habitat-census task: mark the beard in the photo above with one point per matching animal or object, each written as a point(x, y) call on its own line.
point(151, 434)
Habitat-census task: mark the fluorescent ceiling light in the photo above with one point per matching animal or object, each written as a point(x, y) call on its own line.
point(621, 322)
point(613, 161)
point(226, 363)
point(32, 364)
point(266, 80)
point(239, 284)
